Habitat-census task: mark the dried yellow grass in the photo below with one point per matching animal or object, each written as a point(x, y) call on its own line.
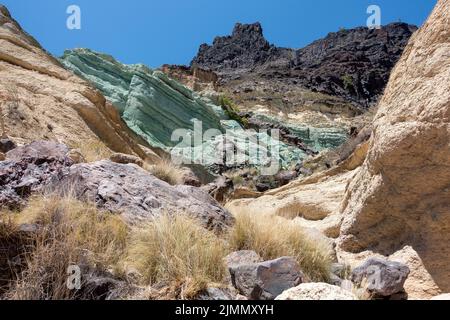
point(92, 150)
point(70, 232)
point(167, 171)
point(176, 252)
point(273, 237)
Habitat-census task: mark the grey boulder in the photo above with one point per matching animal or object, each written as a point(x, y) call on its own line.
point(138, 195)
point(266, 280)
point(381, 278)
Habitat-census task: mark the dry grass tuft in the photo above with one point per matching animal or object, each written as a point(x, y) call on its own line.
point(273, 237)
point(177, 253)
point(70, 232)
point(93, 150)
point(167, 171)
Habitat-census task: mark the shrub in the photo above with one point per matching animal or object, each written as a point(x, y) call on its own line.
point(347, 80)
point(232, 111)
point(177, 252)
point(273, 237)
point(69, 232)
point(167, 171)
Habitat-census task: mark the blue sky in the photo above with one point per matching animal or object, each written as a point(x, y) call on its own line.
point(155, 32)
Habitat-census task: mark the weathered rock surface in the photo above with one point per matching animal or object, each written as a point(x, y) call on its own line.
point(243, 257)
point(401, 195)
point(316, 291)
point(28, 169)
point(6, 145)
point(126, 159)
point(354, 64)
point(46, 102)
point(216, 294)
point(151, 104)
point(441, 297)
point(381, 277)
point(419, 285)
point(266, 280)
point(313, 202)
point(138, 195)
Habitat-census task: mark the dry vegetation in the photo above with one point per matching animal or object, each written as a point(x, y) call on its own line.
point(171, 254)
point(273, 237)
point(69, 232)
point(177, 252)
point(167, 171)
point(92, 150)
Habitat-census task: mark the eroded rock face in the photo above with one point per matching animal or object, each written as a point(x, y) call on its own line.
point(381, 277)
point(29, 169)
point(401, 195)
point(152, 104)
point(354, 64)
point(266, 280)
point(316, 291)
point(138, 195)
point(43, 101)
point(242, 257)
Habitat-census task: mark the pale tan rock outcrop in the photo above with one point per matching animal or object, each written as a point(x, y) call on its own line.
point(42, 100)
point(313, 202)
point(401, 195)
point(420, 284)
point(316, 292)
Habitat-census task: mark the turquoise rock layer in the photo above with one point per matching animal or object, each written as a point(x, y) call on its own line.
point(150, 103)
point(316, 138)
point(155, 107)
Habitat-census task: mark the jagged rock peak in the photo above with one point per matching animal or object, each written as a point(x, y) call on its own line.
point(245, 29)
point(245, 48)
point(352, 63)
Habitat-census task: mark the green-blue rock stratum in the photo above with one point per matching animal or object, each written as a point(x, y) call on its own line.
point(150, 103)
point(154, 106)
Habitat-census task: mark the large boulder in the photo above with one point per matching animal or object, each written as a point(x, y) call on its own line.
point(29, 169)
point(138, 195)
point(420, 285)
point(316, 291)
point(266, 280)
point(380, 277)
point(401, 195)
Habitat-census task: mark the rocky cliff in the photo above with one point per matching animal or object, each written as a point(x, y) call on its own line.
point(154, 105)
point(401, 195)
point(42, 100)
point(353, 64)
point(391, 197)
point(150, 103)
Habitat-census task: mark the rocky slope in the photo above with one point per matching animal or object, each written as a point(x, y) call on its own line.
point(391, 198)
point(401, 194)
point(154, 105)
point(42, 100)
point(151, 104)
point(353, 64)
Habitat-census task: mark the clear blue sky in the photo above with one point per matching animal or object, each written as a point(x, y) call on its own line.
point(155, 32)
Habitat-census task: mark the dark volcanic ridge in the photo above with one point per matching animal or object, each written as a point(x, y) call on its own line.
point(354, 64)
